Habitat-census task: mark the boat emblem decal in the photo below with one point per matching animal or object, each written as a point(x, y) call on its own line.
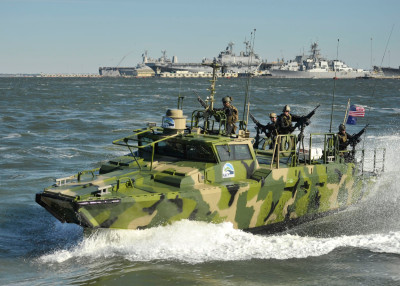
point(168, 122)
point(228, 171)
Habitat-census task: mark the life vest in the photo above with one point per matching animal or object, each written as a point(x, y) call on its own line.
point(285, 124)
point(342, 141)
point(234, 116)
point(342, 138)
point(287, 121)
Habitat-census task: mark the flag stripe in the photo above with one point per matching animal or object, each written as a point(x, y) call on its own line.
point(357, 113)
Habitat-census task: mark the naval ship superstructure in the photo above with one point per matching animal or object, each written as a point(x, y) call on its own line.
point(315, 66)
point(246, 62)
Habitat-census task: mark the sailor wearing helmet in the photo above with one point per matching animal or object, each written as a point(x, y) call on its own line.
point(343, 137)
point(272, 129)
point(232, 115)
point(285, 120)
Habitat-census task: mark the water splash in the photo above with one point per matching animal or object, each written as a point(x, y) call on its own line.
point(198, 242)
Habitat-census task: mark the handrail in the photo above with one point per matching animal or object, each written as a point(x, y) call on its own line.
point(85, 172)
point(331, 153)
point(378, 160)
point(331, 147)
point(152, 144)
point(277, 146)
point(197, 114)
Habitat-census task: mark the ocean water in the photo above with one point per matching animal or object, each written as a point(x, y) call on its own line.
point(53, 127)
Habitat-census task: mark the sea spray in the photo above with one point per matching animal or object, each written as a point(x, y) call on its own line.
point(198, 242)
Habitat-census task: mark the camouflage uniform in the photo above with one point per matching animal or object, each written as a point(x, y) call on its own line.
point(271, 130)
point(284, 121)
point(343, 140)
point(232, 115)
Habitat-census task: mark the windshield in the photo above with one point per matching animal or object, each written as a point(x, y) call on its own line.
point(179, 149)
point(234, 152)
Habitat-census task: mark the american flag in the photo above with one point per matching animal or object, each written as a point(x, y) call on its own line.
point(357, 111)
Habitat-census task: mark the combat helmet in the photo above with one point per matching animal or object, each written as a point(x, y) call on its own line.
point(226, 99)
point(286, 108)
point(342, 127)
point(272, 115)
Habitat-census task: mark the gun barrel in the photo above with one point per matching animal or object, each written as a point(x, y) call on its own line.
point(311, 114)
point(254, 119)
point(202, 102)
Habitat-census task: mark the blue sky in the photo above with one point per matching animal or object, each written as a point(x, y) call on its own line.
point(71, 36)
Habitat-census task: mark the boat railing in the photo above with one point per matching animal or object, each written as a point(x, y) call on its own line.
point(322, 149)
point(136, 137)
point(329, 147)
point(74, 178)
point(283, 151)
point(214, 121)
point(373, 161)
point(369, 160)
point(65, 180)
point(93, 172)
point(285, 146)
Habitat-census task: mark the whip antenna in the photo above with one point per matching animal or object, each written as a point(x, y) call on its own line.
point(247, 96)
point(380, 67)
point(334, 84)
point(383, 57)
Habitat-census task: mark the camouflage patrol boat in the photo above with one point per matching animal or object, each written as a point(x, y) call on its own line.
point(196, 172)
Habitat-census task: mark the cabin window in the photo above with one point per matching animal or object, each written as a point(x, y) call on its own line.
point(201, 153)
point(178, 149)
point(242, 152)
point(171, 148)
point(234, 152)
point(142, 142)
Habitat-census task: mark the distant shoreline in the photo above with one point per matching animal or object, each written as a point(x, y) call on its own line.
point(100, 76)
point(56, 75)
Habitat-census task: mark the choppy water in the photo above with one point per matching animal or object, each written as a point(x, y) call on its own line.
point(52, 128)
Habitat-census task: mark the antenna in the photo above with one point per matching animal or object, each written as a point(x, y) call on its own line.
point(383, 57)
point(247, 97)
point(371, 55)
point(334, 84)
point(380, 67)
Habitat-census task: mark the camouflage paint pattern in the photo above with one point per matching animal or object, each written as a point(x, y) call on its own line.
point(244, 192)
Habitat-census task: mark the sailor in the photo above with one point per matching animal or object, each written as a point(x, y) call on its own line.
point(272, 129)
point(344, 138)
point(231, 113)
point(284, 122)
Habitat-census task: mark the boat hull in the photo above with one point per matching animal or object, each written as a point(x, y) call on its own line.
point(391, 72)
point(308, 74)
point(268, 200)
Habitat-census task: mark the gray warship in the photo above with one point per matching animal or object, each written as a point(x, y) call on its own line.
point(388, 71)
point(140, 70)
point(245, 62)
point(315, 66)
